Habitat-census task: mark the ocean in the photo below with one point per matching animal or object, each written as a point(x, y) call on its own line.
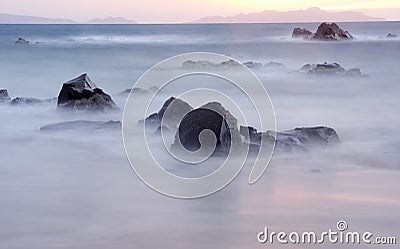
point(76, 189)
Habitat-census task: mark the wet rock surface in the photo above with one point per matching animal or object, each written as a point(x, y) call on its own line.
point(82, 94)
point(212, 116)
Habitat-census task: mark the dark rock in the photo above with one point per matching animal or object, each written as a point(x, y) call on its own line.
point(82, 94)
point(212, 116)
point(391, 35)
point(330, 69)
point(301, 33)
point(253, 65)
point(21, 41)
point(325, 68)
point(4, 97)
point(215, 118)
point(177, 109)
point(331, 32)
point(25, 101)
point(82, 125)
point(299, 139)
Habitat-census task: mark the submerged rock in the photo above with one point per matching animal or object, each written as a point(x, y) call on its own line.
point(275, 65)
point(82, 125)
point(298, 139)
point(354, 72)
point(26, 101)
point(21, 41)
point(301, 33)
point(139, 90)
point(82, 94)
point(330, 69)
point(252, 65)
point(391, 35)
point(4, 97)
point(199, 65)
point(178, 108)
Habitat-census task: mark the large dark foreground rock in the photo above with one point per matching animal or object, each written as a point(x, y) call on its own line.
point(213, 116)
point(82, 94)
point(325, 32)
point(81, 125)
point(298, 139)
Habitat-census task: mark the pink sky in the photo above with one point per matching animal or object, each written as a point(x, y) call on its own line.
point(170, 11)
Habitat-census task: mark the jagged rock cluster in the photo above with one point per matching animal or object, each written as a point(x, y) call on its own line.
point(330, 69)
point(213, 116)
point(325, 32)
point(202, 65)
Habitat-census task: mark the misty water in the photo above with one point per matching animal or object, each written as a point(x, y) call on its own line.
point(76, 189)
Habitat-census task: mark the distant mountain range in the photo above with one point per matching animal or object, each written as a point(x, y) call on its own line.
point(309, 15)
point(268, 16)
point(22, 19)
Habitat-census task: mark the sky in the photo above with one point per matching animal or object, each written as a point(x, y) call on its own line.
point(176, 11)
